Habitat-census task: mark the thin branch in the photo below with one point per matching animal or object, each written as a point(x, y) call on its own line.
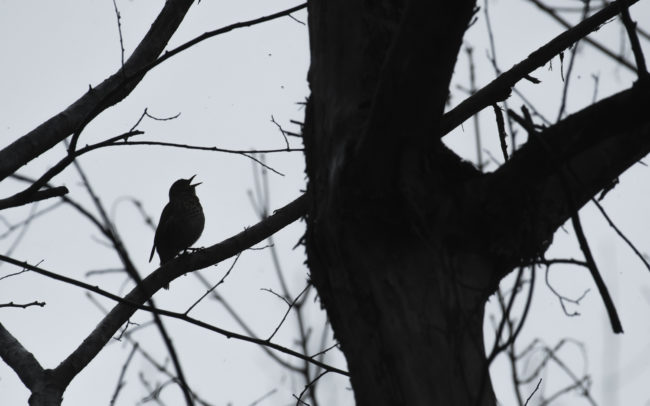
point(243, 324)
point(58, 168)
point(13, 227)
point(531, 395)
point(263, 397)
point(36, 196)
point(130, 268)
point(308, 386)
point(133, 305)
point(115, 88)
point(23, 230)
point(617, 6)
point(109, 92)
point(502, 131)
point(215, 286)
point(630, 27)
point(94, 272)
point(71, 202)
point(291, 305)
point(138, 74)
point(127, 335)
point(145, 113)
point(497, 348)
point(200, 148)
point(120, 379)
point(573, 55)
point(119, 30)
point(23, 306)
point(198, 260)
point(247, 153)
point(284, 135)
point(514, 334)
point(326, 350)
point(577, 226)
point(579, 384)
point(499, 88)
point(472, 90)
point(620, 234)
point(493, 59)
point(563, 298)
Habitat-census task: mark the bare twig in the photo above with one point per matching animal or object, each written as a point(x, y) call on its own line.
point(577, 225)
point(563, 298)
point(27, 193)
point(291, 305)
point(284, 134)
point(134, 305)
point(130, 268)
point(567, 80)
point(35, 196)
point(299, 400)
point(13, 227)
point(145, 113)
point(535, 390)
point(119, 30)
point(115, 88)
point(23, 230)
point(630, 27)
point(215, 286)
point(128, 336)
point(326, 350)
point(263, 397)
point(500, 88)
point(120, 379)
point(614, 6)
point(23, 306)
point(502, 131)
point(620, 234)
point(244, 325)
point(472, 90)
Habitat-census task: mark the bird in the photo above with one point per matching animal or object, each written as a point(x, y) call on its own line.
point(181, 222)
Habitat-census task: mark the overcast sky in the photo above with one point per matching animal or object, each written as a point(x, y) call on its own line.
point(226, 90)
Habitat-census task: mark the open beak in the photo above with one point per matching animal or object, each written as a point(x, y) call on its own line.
point(196, 184)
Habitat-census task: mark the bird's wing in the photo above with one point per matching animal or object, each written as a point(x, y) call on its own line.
point(163, 223)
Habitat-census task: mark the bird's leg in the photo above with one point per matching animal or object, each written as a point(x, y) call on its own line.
point(190, 250)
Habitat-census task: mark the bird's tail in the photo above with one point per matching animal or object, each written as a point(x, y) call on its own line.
point(153, 249)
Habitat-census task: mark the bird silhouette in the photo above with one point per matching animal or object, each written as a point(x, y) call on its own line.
point(181, 222)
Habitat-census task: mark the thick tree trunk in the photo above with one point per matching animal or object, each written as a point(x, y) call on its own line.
point(52, 396)
point(408, 318)
point(402, 277)
point(405, 241)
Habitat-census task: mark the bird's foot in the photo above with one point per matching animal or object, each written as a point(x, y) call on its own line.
point(192, 250)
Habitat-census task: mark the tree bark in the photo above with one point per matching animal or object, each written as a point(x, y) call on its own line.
point(405, 241)
point(403, 288)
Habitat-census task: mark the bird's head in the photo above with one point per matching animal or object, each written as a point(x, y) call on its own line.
point(183, 187)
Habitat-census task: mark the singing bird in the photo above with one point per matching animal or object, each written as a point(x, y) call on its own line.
point(181, 222)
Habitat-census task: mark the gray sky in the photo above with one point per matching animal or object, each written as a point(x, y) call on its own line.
point(226, 89)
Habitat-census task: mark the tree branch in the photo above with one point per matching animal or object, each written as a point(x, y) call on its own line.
point(19, 359)
point(96, 100)
point(618, 58)
point(36, 196)
point(91, 346)
point(592, 147)
point(499, 88)
point(630, 27)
